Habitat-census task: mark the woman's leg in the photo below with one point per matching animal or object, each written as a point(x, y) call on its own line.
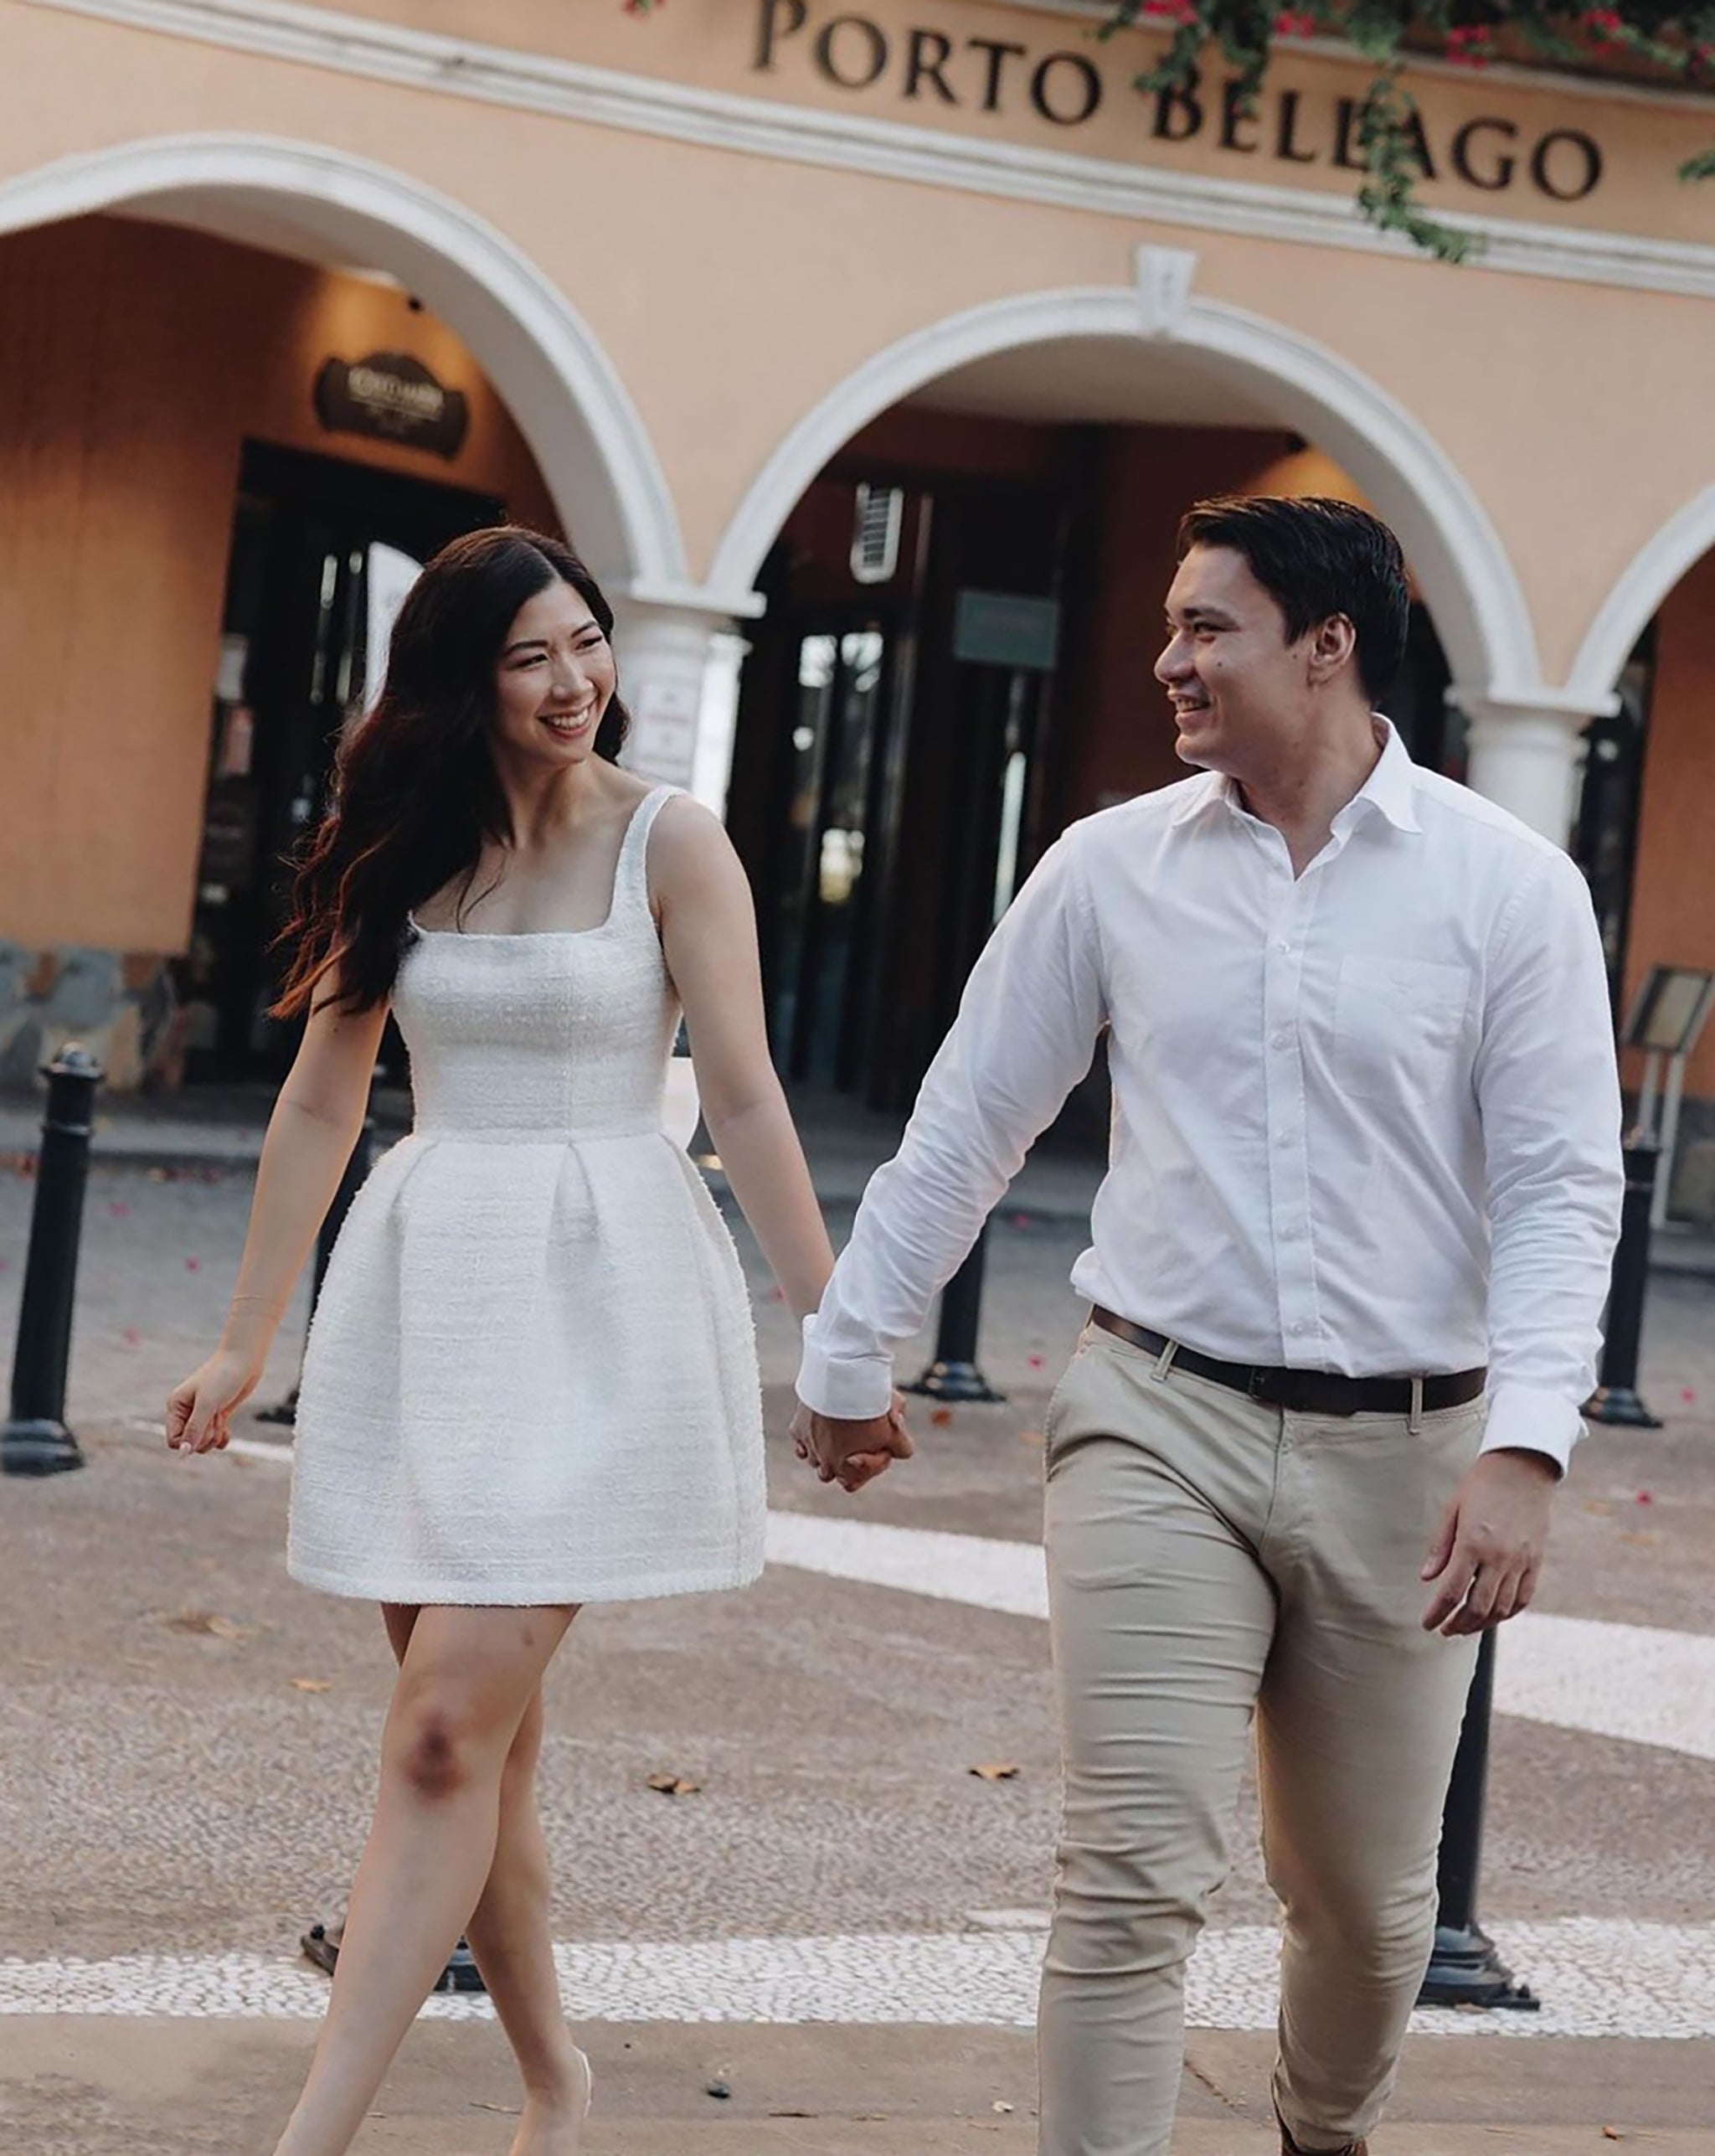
point(510, 1938)
point(465, 1686)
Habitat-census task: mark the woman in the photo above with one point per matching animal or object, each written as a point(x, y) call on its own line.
point(531, 1382)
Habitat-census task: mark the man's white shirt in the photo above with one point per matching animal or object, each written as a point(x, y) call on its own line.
point(1366, 1121)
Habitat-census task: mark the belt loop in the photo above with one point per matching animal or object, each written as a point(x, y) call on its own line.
point(1164, 1361)
point(1414, 1421)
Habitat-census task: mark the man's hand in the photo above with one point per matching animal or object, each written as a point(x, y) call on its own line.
point(1490, 1545)
point(851, 1453)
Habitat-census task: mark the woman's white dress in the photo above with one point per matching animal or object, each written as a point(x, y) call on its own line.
point(531, 1373)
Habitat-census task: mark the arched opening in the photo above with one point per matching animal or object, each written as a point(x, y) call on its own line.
point(248, 386)
point(1649, 776)
point(965, 597)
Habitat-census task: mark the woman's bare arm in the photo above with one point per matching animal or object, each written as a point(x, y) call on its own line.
point(310, 1134)
point(708, 933)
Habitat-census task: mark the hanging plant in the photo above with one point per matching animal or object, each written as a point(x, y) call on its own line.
point(1677, 40)
point(1672, 40)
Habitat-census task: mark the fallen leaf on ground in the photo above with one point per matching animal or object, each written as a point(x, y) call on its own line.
point(506, 2110)
point(1612, 2133)
point(206, 1621)
point(310, 1684)
point(1030, 1438)
point(1640, 1541)
point(995, 1770)
point(674, 1785)
point(941, 1416)
point(1003, 2109)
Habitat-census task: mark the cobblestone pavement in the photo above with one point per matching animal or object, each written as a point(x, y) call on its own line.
point(187, 1744)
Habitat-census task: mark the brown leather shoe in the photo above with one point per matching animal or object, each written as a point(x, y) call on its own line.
point(1288, 2147)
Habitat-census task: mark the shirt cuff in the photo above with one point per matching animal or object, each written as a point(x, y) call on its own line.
point(851, 1388)
point(1523, 1418)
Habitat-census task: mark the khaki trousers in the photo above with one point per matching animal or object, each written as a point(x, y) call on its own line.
point(1210, 1559)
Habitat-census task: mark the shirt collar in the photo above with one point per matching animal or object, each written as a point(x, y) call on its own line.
point(1390, 790)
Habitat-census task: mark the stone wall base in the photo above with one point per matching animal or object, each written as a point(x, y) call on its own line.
point(120, 1004)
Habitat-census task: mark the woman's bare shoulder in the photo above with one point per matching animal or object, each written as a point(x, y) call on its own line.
point(688, 846)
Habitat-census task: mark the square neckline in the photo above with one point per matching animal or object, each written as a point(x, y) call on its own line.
point(540, 935)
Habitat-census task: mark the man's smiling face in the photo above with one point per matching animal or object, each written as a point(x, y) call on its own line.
point(1239, 689)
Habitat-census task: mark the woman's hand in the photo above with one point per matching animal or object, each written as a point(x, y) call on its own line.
point(198, 1410)
point(851, 1453)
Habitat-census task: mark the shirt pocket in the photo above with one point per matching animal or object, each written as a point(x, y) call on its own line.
point(1399, 1027)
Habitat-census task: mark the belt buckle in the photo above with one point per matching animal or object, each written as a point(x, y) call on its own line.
point(1288, 1390)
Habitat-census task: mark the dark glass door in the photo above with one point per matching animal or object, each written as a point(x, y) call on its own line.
point(321, 552)
point(828, 861)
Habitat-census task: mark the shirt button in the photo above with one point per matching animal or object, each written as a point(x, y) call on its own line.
point(1281, 1041)
point(1299, 1328)
point(1285, 950)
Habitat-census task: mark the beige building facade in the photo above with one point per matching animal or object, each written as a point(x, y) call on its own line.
point(809, 325)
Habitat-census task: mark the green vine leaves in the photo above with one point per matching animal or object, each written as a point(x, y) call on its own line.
point(1675, 40)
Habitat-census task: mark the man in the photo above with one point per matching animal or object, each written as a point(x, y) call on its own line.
point(1347, 1266)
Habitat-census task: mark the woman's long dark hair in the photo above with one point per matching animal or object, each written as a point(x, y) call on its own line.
point(416, 793)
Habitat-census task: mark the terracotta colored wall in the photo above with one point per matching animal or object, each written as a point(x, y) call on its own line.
point(135, 359)
point(1673, 905)
point(1501, 369)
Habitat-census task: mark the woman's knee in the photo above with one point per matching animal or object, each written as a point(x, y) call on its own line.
point(440, 1743)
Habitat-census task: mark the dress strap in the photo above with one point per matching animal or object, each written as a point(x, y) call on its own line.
point(631, 878)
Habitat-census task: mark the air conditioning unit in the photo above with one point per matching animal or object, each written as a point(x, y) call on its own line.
point(875, 541)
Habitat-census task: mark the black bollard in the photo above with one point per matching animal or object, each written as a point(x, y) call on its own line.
point(1464, 1969)
point(356, 1169)
point(1616, 1397)
point(954, 1374)
point(36, 1440)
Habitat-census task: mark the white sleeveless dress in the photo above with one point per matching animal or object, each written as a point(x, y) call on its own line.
point(532, 1375)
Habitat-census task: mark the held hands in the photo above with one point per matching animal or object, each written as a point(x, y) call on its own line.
point(851, 1453)
point(1488, 1551)
point(199, 1412)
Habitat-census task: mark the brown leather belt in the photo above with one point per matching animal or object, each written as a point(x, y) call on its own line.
point(1305, 1392)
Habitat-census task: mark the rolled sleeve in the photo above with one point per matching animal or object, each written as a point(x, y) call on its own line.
point(1549, 1091)
point(1025, 1033)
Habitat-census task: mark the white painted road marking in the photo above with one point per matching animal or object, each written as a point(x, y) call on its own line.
point(1597, 1977)
point(1638, 1682)
point(1634, 1682)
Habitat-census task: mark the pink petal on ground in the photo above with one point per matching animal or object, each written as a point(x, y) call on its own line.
point(130, 1336)
point(193, 1265)
point(118, 1209)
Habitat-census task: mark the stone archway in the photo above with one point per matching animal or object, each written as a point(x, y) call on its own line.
point(543, 359)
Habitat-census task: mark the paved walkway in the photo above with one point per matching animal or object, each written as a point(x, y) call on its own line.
point(840, 1926)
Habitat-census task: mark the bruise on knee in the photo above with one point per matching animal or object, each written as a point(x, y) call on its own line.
point(432, 1762)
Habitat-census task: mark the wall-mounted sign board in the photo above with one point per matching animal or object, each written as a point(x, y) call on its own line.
point(392, 397)
point(1005, 628)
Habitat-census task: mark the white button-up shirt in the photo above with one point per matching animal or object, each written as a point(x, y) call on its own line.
point(1365, 1120)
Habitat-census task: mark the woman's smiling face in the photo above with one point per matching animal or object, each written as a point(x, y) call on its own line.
point(553, 681)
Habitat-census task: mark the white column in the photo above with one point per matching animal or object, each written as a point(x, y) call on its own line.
point(663, 654)
point(1528, 758)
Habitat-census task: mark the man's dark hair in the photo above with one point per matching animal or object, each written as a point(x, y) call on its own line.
point(1316, 557)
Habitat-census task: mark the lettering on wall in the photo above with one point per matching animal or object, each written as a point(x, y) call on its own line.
point(391, 396)
point(934, 70)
